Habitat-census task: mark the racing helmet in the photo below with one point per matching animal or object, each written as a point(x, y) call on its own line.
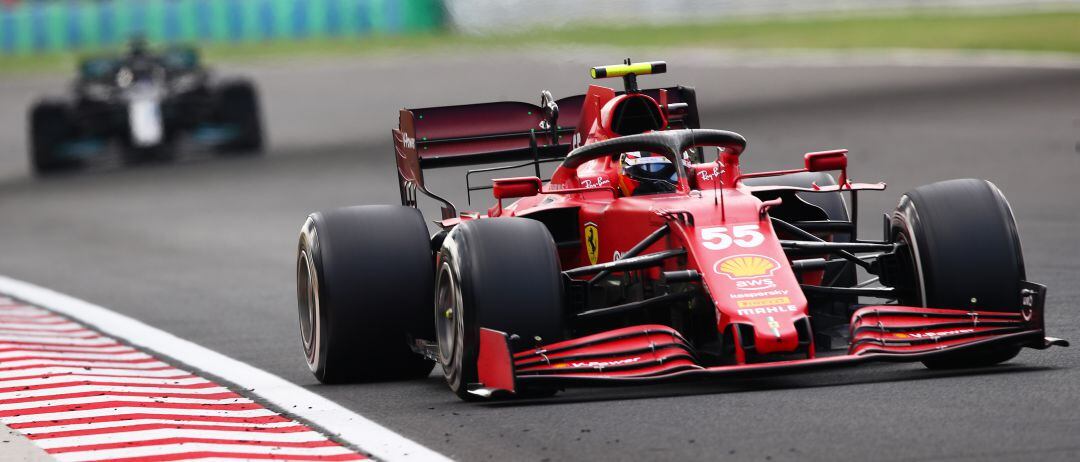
point(646, 173)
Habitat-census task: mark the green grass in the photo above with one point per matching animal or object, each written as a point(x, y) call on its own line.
point(1028, 32)
point(1040, 32)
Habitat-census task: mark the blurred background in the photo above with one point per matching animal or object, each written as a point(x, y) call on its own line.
point(42, 27)
point(918, 90)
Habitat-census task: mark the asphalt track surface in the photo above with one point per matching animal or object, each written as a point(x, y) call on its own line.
point(204, 249)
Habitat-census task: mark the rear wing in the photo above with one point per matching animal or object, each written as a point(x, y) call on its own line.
point(499, 132)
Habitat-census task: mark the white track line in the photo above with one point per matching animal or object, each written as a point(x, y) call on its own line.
point(105, 390)
point(120, 409)
point(83, 349)
point(347, 425)
point(37, 431)
point(148, 451)
point(78, 369)
point(132, 354)
point(239, 435)
point(67, 376)
point(106, 398)
point(55, 341)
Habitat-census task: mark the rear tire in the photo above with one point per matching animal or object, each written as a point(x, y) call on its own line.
point(364, 288)
point(50, 128)
point(965, 254)
point(501, 274)
point(239, 109)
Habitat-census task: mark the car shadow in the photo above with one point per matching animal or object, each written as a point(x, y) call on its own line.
point(881, 373)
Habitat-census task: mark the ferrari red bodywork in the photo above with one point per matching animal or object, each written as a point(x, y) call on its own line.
point(716, 233)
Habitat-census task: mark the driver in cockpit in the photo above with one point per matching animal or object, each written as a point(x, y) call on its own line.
point(645, 173)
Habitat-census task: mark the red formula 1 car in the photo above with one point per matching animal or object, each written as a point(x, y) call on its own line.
point(649, 255)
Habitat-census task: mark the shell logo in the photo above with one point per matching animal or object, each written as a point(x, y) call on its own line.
point(746, 266)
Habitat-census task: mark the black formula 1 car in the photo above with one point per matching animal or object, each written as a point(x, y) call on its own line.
point(144, 101)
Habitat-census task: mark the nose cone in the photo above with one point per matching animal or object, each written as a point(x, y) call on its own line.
point(758, 290)
point(749, 278)
point(747, 274)
point(774, 329)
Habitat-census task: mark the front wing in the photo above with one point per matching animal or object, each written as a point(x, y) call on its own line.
point(656, 353)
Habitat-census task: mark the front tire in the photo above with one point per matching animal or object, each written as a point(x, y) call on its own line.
point(50, 128)
point(501, 274)
point(238, 102)
point(965, 253)
point(364, 288)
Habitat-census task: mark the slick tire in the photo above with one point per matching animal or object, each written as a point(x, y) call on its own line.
point(238, 108)
point(364, 289)
point(964, 253)
point(50, 127)
point(502, 274)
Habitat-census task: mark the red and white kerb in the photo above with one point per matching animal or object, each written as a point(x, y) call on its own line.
point(82, 396)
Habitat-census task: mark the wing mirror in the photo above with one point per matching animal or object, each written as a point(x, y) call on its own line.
point(823, 161)
point(509, 188)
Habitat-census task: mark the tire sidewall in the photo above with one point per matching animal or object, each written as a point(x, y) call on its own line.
point(904, 223)
point(459, 366)
point(316, 346)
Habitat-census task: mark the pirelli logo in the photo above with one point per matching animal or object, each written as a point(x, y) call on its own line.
point(756, 302)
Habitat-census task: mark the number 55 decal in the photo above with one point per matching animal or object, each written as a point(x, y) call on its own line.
point(717, 237)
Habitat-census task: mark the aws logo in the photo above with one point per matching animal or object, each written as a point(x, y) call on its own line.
point(755, 284)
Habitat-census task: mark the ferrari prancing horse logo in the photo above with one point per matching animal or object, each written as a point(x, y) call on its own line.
point(592, 242)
